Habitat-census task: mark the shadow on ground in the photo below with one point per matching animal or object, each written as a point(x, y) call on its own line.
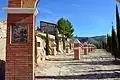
point(61, 59)
point(115, 70)
point(94, 63)
point(76, 62)
point(87, 76)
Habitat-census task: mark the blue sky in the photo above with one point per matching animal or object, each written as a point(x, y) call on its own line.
point(89, 17)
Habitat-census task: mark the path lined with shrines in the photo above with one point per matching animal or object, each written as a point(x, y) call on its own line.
point(95, 65)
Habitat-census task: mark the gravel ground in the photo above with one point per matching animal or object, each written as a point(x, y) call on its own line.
point(97, 65)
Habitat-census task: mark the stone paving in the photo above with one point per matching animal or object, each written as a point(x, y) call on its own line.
point(97, 65)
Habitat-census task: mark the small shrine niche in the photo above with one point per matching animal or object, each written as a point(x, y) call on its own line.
point(19, 33)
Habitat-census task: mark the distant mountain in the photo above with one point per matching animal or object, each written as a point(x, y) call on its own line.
point(93, 40)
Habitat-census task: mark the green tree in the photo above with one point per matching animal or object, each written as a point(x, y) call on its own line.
point(118, 26)
point(57, 40)
point(66, 29)
point(47, 43)
point(61, 27)
point(35, 49)
point(99, 46)
point(118, 30)
point(69, 32)
point(109, 43)
point(114, 44)
point(103, 45)
point(69, 29)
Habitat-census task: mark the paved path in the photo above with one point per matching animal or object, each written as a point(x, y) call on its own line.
point(98, 65)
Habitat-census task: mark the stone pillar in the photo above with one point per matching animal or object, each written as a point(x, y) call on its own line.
point(67, 49)
point(53, 47)
point(85, 49)
point(89, 49)
point(94, 49)
point(20, 41)
point(76, 51)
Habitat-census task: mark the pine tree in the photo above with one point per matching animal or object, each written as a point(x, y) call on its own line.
point(114, 44)
point(47, 43)
point(61, 27)
point(65, 27)
point(69, 33)
point(69, 29)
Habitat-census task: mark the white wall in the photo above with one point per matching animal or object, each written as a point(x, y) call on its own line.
point(3, 27)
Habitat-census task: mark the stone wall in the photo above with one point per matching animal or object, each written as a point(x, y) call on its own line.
point(40, 37)
point(40, 48)
point(3, 26)
point(40, 42)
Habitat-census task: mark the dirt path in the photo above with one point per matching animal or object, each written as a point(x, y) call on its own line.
point(97, 65)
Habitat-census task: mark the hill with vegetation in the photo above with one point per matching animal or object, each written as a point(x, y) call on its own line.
point(93, 40)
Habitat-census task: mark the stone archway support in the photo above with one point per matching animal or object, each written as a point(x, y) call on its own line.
point(20, 41)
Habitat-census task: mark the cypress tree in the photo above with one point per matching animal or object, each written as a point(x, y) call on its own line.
point(57, 40)
point(118, 30)
point(114, 43)
point(109, 43)
point(103, 45)
point(118, 26)
point(63, 40)
point(35, 50)
point(47, 43)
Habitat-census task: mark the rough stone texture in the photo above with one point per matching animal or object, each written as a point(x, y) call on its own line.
point(19, 57)
point(60, 47)
point(67, 49)
point(40, 49)
point(96, 66)
point(3, 26)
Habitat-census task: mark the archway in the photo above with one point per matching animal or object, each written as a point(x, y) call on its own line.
point(20, 43)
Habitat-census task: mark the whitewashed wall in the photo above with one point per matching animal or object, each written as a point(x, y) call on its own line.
point(3, 26)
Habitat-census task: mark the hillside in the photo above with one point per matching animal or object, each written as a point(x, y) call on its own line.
point(93, 40)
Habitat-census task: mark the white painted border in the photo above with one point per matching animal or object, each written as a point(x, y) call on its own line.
point(21, 10)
